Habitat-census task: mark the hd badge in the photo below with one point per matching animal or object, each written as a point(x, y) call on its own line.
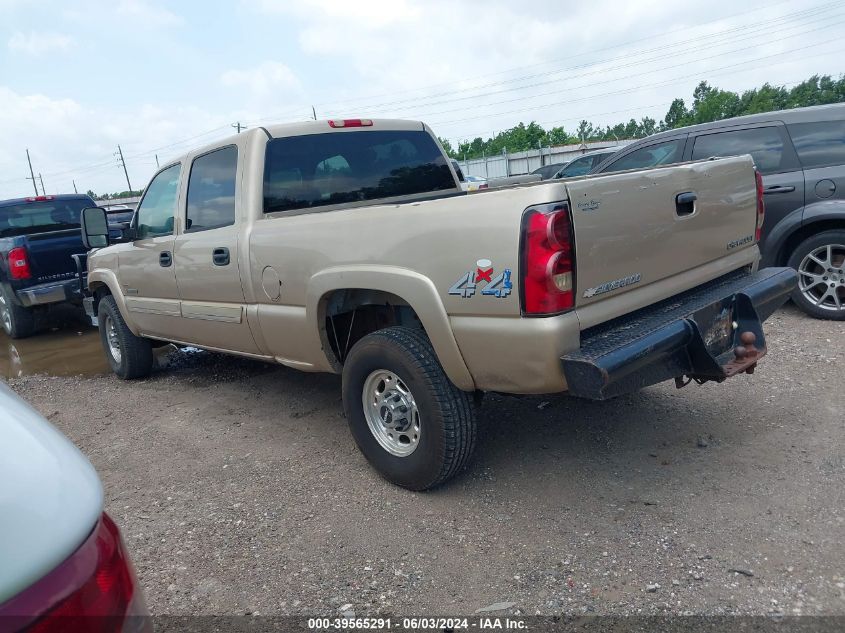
point(499, 286)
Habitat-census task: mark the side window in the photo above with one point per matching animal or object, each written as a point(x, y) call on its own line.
point(763, 143)
point(157, 209)
point(664, 153)
point(577, 167)
point(211, 190)
point(819, 144)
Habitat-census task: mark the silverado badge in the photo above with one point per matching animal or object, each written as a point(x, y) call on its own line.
point(612, 285)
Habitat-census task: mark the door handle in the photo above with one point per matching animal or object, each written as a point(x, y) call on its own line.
point(165, 259)
point(779, 189)
point(220, 256)
point(685, 203)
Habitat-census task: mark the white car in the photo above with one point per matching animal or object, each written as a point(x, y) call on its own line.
point(63, 564)
point(474, 183)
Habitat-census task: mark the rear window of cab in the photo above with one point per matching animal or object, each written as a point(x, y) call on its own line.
point(317, 170)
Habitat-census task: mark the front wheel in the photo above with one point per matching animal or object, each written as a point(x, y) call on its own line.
point(413, 425)
point(820, 262)
point(129, 356)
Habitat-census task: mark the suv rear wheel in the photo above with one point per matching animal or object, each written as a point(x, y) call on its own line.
point(413, 425)
point(820, 262)
point(129, 356)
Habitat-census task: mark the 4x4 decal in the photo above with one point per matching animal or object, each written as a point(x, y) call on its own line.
point(499, 286)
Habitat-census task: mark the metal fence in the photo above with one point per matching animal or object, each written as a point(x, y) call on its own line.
point(517, 163)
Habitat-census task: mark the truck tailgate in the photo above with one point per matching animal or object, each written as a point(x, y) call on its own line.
point(635, 228)
point(50, 254)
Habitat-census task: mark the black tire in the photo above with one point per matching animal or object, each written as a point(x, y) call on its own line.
point(835, 275)
point(135, 353)
point(446, 414)
point(18, 322)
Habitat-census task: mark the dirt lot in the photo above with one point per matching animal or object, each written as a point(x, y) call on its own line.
point(239, 489)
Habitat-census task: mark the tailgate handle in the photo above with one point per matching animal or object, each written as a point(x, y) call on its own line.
point(165, 259)
point(220, 256)
point(779, 189)
point(685, 203)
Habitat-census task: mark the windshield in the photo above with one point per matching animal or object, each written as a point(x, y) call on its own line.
point(40, 216)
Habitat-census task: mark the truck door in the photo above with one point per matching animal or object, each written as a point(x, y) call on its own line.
point(206, 256)
point(146, 272)
point(774, 156)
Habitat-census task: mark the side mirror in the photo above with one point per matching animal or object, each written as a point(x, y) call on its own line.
point(95, 228)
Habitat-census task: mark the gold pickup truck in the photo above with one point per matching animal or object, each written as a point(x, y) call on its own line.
point(347, 246)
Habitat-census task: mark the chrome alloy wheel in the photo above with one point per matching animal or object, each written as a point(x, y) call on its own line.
point(5, 314)
point(391, 413)
point(821, 277)
point(112, 339)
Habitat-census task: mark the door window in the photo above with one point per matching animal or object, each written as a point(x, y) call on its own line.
point(765, 145)
point(664, 153)
point(158, 207)
point(577, 167)
point(211, 190)
point(819, 144)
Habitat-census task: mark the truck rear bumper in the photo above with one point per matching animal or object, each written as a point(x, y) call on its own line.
point(704, 333)
point(51, 292)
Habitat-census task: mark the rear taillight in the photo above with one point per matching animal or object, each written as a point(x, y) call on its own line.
point(19, 264)
point(761, 207)
point(484, 186)
point(95, 590)
point(548, 260)
point(350, 123)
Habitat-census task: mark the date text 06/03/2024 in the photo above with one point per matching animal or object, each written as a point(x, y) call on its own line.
point(417, 624)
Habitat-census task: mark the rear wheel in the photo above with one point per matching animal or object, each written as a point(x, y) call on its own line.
point(413, 425)
point(129, 356)
point(820, 262)
point(18, 322)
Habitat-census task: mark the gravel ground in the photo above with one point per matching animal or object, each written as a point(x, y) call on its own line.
point(239, 490)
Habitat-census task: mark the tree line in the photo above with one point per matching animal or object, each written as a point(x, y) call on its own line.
point(114, 196)
point(708, 104)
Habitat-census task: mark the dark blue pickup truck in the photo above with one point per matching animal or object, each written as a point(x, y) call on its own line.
point(38, 237)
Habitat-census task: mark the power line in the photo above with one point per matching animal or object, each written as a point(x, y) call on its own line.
point(760, 28)
point(652, 37)
point(828, 24)
point(744, 64)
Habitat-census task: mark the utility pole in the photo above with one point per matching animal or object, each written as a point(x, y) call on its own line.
point(314, 112)
point(157, 165)
point(31, 173)
point(74, 186)
point(43, 190)
point(238, 126)
point(123, 164)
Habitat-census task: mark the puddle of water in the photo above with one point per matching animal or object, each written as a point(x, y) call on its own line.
point(69, 351)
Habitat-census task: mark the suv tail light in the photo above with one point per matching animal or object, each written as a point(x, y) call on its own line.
point(19, 264)
point(761, 207)
point(95, 590)
point(548, 260)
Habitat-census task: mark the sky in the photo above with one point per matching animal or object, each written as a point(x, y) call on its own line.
point(80, 77)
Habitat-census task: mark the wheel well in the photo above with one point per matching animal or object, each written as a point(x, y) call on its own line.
point(349, 315)
point(100, 291)
point(802, 234)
